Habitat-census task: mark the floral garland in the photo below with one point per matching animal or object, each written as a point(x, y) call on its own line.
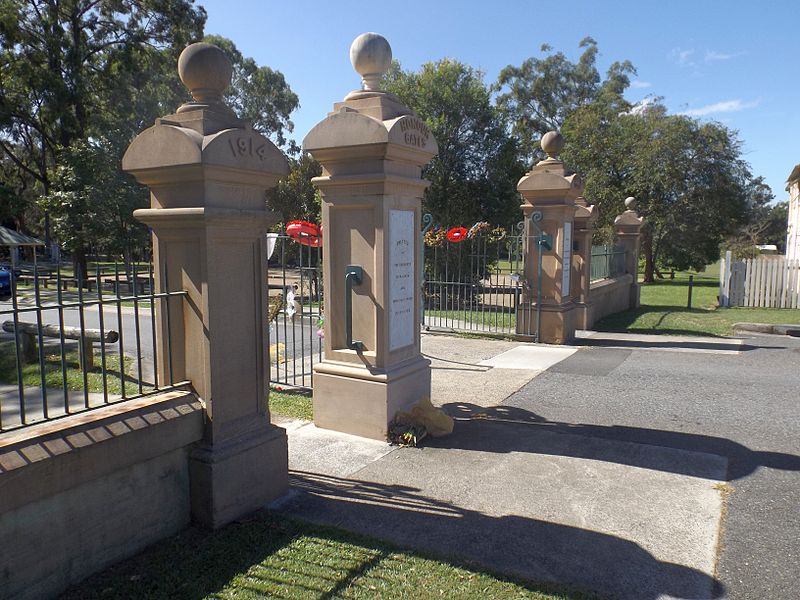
point(437, 236)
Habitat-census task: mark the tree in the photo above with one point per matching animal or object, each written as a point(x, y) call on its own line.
point(64, 63)
point(688, 177)
point(295, 197)
point(474, 175)
point(92, 200)
point(259, 95)
point(766, 223)
point(78, 80)
point(540, 94)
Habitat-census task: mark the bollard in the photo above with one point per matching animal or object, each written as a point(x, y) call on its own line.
point(691, 283)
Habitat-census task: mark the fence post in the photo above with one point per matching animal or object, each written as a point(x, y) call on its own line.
point(585, 218)
point(627, 227)
point(548, 189)
point(372, 149)
point(725, 280)
point(207, 172)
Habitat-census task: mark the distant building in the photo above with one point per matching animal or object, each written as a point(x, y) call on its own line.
point(793, 231)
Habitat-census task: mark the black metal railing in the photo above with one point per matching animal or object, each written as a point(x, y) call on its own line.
point(607, 261)
point(87, 342)
point(476, 283)
point(296, 295)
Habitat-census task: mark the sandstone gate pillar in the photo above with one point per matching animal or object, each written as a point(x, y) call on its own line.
point(207, 172)
point(584, 220)
point(372, 149)
point(549, 190)
point(627, 227)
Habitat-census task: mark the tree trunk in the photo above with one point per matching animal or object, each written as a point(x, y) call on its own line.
point(649, 262)
point(80, 266)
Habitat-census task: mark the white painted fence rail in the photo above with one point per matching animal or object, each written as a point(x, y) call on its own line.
point(764, 282)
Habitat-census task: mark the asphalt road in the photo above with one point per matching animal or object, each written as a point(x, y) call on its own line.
point(743, 407)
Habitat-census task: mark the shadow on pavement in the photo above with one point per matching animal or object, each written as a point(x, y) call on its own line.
point(518, 546)
point(510, 429)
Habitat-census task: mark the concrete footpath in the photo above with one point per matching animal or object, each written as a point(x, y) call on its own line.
point(561, 467)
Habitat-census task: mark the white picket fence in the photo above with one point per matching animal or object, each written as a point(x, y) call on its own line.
point(764, 282)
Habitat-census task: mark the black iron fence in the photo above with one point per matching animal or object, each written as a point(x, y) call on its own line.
point(71, 341)
point(473, 278)
point(295, 310)
point(607, 261)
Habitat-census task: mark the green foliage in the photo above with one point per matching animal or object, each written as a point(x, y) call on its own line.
point(540, 94)
point(78, 80)
point(70, 67)
point(91, 201)
point(259, 95)
point(766, 223)
point(295, 197)
point(474, 175)
point(689, 180)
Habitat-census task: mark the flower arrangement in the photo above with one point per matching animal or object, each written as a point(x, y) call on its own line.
point(480, 228)
point(435, 237)
point(321, 327)
point(456, 234)
point(498, 234)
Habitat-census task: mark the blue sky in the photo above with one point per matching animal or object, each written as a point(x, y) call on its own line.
point(732, 61)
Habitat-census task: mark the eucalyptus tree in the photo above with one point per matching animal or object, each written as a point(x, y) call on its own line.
point(474, 175)
point(689, 178)
point(539, 95)
point(78, 80)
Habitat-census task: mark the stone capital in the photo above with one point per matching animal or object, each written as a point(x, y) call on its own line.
point(166, 154)
point(549, 184)
point(628, 223)
point(349, 135)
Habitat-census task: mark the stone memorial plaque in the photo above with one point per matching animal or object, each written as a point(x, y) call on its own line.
point(566, 265)
point(402, 283)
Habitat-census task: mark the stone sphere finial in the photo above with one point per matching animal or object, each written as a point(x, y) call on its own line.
point(206, 71)
point(371, 57)
point(630, 203)
point(552, 143)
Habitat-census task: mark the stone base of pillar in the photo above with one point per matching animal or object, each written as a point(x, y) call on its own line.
point(584, 315)
point(354, 400)
point(635, 295)
point(238, 476)
point(557, 324)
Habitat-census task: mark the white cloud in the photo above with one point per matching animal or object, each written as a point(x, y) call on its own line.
point(641, 107)
point(636, 84)
point(683, 57)
point(726, 106)
point(714, 56)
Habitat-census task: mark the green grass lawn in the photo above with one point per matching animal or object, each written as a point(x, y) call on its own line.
point(664, 310)
point(31, 375)
point(482, 318)
point(271, 557)
point(292, 403)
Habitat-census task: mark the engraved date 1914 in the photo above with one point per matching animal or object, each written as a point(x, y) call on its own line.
point(245, 147)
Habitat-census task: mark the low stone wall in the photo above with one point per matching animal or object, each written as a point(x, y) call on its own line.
point(606, 297)
point(83, 492)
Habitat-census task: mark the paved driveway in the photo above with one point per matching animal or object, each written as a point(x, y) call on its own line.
point(743, 406)
point(609, 466)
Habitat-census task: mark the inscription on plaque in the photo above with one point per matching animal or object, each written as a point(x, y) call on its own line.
point(566, 265)
point(402, 288)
